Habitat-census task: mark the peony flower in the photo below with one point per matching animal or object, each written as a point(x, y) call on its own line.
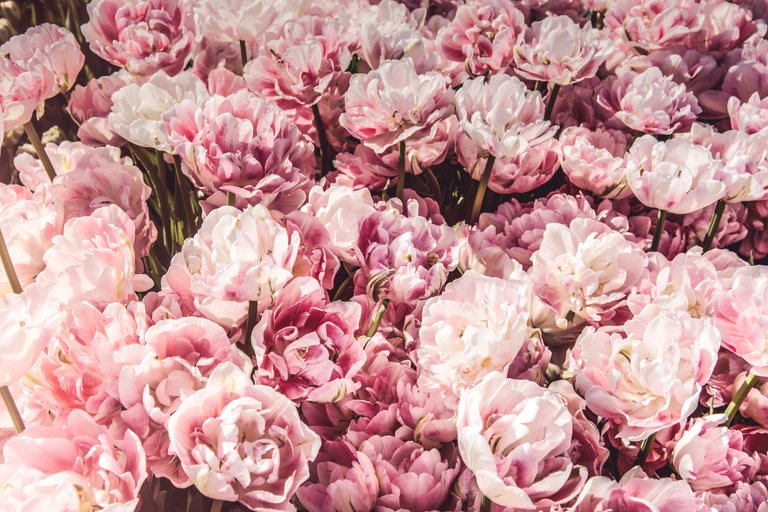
point(137, 109)
point(483, 35)
point(142, 36)
point(90, 106)
point(654, 24)
point(726, 26)
point(241, 144)
point(364, 169)
point(388, 31)
point(675, 176)
point(504, 129)
point(230, 21)
point(710, 456)
point(557, 50)
point(476, 326)
point(299, 63)
point(750, 116)
point(746, 497)
point(635, 491)
point(235, 257)
point(394, 102)
point(514, 435)
point(741, 315)
point(238, 441)
point(64, 158)
point(595, 160)
point(24, 488)
point(649, 102)
point(586, 270)
point(647, 376)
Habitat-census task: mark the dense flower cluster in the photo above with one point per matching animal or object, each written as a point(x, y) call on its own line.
point(357, 255)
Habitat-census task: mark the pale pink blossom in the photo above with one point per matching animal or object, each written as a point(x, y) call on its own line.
point(503, 129)
point(90, 106)
point(699, 72)
point(231, 21)
point(476, 326)
point(364, 169)
point(586, 270)
point(28, 222)
point(515, 436)
point(64, 158)
point(676, 176)
point(711, 456)
point(296, 65)
point(595, 160)
point(142, 36)
point(483, 35)
point(635, 492)
point(241, 144)
point(388, 31)
point(649, 102)
point(726, 26)
point(745, 497)
point(557, 50)
point(394, 102)
point(238, 441)
point(741, 315)
point(654, 24)
point(648, 375)
point(31, 490)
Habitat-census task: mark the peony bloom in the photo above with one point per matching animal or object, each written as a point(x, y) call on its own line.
point(242, 442)
point(388, 31)
point(138, 109)
point(142, 36)
point(647, 376)
point(504, 129)
point(235, 257)
point(106, 470)
point(557, 50)
point(654, 24)
point(392, 103)
point(91, 105)
point(710, 456)
point(635, 492)
point(28, 223)
point(230, 21)
point(750, 116)
point(586, 270)
point(676, 176)
point(476, 326)
point(299, 63)
point(24, 488)
point(741, 315)
point(364, 169)
point(726, 26)
point(649, 102)
point(745, 497)
point(514, 435)
point(241, 144)
point(64, 158)
point(35, 66)
point(483, 35)
point(594, 160)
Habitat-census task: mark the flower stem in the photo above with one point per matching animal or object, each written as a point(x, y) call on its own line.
point(216, 507)
point(243, 54)
point(713, 225)
point(738, 398)
point(250, 323)
point(551, 101)
point(401, 171)
point(645, 449)
point(486, 505)
point(34, 138)
point(231, 199)
point(480, 194)
point(659, 230)
point(10, 272)
point(13, 411)
point(322, 139)
point(376, 320)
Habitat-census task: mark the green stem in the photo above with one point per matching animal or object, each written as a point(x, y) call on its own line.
point(486, 505)
point(659, 230)
point(551, 101)
point(322, 139)
point(216, 507)
point(13, 410)
point(401, 171)
point(645, 449)
point(713, 225)
point(243, 54)
point(376, 320)
point(231, 199)
point(34, 138)
point(738, 398)
point(480, 194)
point(10, 272)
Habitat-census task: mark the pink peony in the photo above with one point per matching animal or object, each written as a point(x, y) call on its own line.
point(559, 51)
point(649, 102)
point(654, 24)
point(241, 144)
point(726, 26)
point(238, 441)
point(506, 129)
point(595, 160)
point(676, 176)
point(647, 376)
point(710, 456)
point(387, 31)
point(90, 106)
point(746, 497)
point(750, 116)
point(230, 21)
point(142, 36)
point(364, 169)
point(476, 326)
point(514, 435)
point(394, 102)
point(483, 35)
point(28, 489)
point(635, 492)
